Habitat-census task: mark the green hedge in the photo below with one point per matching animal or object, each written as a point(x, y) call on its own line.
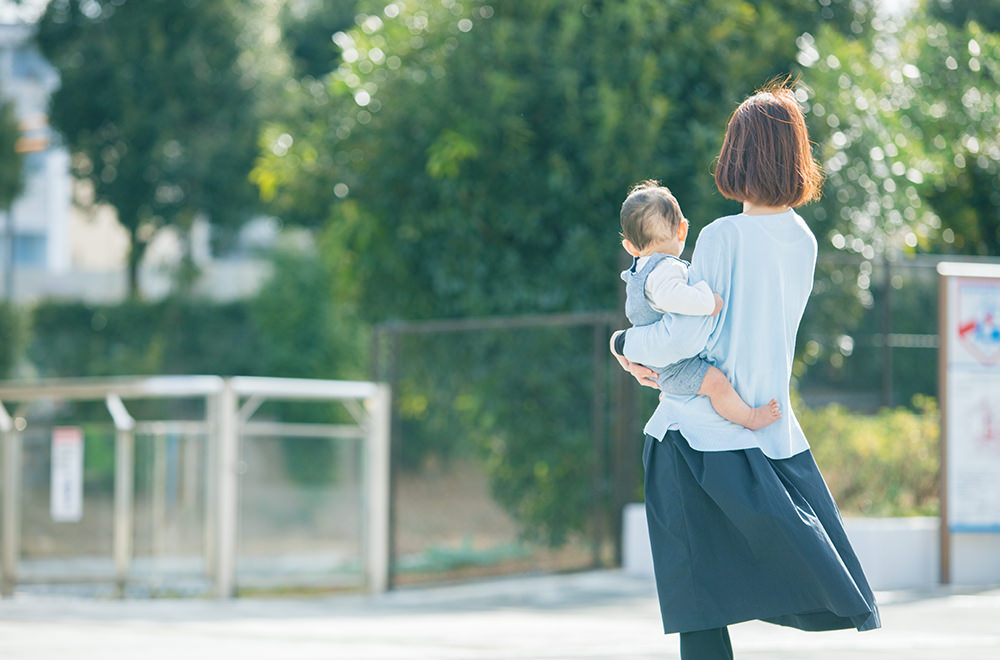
point(11, 339)
point(886, 464)
point(292, 328)
point(70, 339)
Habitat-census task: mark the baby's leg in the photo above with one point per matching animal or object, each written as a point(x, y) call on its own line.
point(728, 403)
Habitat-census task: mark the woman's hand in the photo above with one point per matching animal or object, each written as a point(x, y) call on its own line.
point(643, 374)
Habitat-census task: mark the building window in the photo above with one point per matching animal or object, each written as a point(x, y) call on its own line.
point(29, 250)
point(34, 163)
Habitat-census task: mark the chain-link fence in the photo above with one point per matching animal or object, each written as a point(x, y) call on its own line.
point(516, 442)
point(869, 336)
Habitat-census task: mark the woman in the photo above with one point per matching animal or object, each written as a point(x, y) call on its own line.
point(741, 523)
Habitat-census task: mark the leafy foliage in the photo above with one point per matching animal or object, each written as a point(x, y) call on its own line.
point(12, 337)
point(471, 159)
point(481, 152)
point(907, 125)
point(307, 26)
point(138, 338)
point(155, 109)
point(960, 12)
point(11, 165)
point(290, 329)
point(531, 425)
point(880, 465)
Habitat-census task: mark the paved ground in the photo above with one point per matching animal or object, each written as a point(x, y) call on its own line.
point(599, 615)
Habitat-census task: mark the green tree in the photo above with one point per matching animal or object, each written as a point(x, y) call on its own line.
point(11, 165)
point(471, 159)
point(11, 338)
point(11, 184)
point(960, 12)
point(476, 155)
point(307, 27)
point(908, 130)
point(155, 108)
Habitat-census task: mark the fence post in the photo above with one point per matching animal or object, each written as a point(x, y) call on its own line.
point(211, 483)
point(395, 457)
point(227, 489)
point(124, 488)
point(599, 476)
point(885, 327)
point(11, 452)
point(377, 467)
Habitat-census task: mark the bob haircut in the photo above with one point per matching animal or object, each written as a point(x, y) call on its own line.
point(766, 157)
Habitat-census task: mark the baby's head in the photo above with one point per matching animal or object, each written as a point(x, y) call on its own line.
point(652, 221)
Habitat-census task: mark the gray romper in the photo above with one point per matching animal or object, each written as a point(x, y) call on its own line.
point(682, 377)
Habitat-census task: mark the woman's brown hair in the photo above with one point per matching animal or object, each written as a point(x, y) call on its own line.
point(766, 157)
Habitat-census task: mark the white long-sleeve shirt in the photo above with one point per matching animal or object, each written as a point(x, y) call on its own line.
point(667, 290)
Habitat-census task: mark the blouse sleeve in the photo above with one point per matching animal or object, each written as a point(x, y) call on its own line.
point(675, 337)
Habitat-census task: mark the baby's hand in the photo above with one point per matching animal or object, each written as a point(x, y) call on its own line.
point(718, 304)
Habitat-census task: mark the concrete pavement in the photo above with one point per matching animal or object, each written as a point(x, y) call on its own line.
point(595, 616)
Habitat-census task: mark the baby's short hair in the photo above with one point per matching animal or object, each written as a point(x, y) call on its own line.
point(650, 213)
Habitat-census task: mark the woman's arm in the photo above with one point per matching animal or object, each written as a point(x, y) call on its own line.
point(674, 337)
point(644, 375)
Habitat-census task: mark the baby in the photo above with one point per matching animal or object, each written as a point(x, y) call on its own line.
point(654, 231)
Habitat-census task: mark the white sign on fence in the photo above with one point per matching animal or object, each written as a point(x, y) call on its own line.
point(969, 390)
point(66, 489)
point(971, 373)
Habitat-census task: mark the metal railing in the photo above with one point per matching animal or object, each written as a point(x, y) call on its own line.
point(230, 404)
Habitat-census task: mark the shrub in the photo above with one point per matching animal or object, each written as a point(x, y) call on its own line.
point(885, 464)
point(292, 328)
point(11, 338)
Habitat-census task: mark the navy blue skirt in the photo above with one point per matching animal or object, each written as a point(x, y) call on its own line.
point(738, 536)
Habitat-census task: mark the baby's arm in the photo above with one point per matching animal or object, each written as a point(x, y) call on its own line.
point(675, 337)
point(667, 290)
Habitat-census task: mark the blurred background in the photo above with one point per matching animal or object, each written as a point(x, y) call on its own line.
point(426, 192)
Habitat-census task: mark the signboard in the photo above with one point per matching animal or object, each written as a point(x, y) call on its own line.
point(973, 452)
point(66, 483)
point(970, 401)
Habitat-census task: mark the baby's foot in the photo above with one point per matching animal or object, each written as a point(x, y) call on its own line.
point(761, 416)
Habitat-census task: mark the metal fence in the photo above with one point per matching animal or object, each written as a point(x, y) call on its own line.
point(187, 491)
point(869, 337)
point(544, 383)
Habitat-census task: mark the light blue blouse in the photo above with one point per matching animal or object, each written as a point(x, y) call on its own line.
point(762, 266)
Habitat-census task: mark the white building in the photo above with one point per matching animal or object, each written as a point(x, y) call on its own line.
point(51, 247)
point(35, 230)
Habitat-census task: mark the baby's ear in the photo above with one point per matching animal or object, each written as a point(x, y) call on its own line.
point(630, 247)
point(682, 230)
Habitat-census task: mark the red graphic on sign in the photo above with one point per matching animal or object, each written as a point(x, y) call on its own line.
point(981, 337)
point(988, 435)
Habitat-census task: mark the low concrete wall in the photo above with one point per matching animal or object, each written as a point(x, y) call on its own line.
point(896, 553)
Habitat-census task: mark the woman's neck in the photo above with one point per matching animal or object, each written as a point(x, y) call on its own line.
point(749, 208)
